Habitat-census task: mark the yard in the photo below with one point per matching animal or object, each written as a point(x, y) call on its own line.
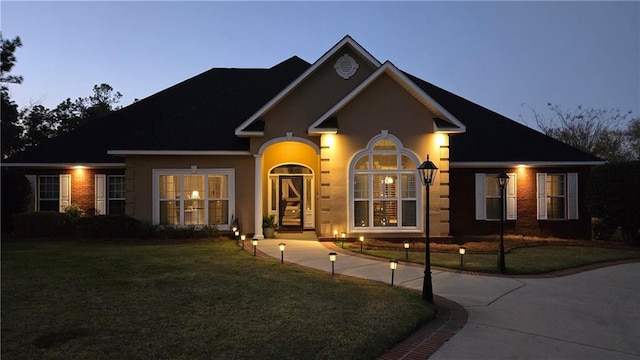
point(205, 299)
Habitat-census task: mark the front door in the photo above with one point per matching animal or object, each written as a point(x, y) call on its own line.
point(291, 207)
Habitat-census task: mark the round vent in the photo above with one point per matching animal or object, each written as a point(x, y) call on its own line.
point(346, 66)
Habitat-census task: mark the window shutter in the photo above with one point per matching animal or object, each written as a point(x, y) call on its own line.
point(572, 200)
point(512, 202)
point(100, 194)
point(33, 205)
point(481, 206)
point(65, 191)
point(542, 195)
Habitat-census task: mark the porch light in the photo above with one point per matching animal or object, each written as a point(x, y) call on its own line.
point(281, 246)
point(462, 250)
point(406, 249)
point(255, 245)
point(361, 238)
point(393, 265)
point(332, 258)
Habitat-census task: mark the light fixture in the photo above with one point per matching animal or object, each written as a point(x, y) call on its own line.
point(462, 250)
point(281, 246)
point(427, 172)
point(255, 245)
point(243, 237)
point(361, 238)
point(236, 233)
point(393, 265)
point(335, 234)
point(406, 249)
point(195, 195)
point(503, 180)
point(332, 258)
point(343, 235)
point(388, 180)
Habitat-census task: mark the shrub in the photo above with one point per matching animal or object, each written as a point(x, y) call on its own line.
point(109, 226)
point(16, 196)
point(44, 223)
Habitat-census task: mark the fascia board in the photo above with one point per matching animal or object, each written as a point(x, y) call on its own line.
point(65, 165)
point(177, 152)
point(499, 164)
point(266, 107)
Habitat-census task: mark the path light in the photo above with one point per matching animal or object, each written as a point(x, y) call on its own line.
point(335, 234)
point(406, 249)
point(243, 237)
point(393, 265)
point(503, 180)
point(281, 246)
point(361, 238)
point(343, 236)
point(427, 173)
point(462, 250)
point(332, 258)
point(255, 245)
point(236, 233)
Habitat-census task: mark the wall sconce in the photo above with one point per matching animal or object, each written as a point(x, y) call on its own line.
point(462, 250)
point(361, 238)
point(332, 258)
point(243, 237)
point(393, 265)
point(255, 245)
point(281, 246)
point(406, 249)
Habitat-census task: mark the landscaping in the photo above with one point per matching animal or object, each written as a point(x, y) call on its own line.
point(523, 256)
point(190, 299)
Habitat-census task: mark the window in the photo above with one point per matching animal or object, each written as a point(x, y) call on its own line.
point(53, 192)
point(557, 196)
point(188, 198)
point(383, 193)
point(488, 197)
point(115, 195)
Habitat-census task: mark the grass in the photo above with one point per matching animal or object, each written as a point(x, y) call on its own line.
point(70, 300)
point(522, 256)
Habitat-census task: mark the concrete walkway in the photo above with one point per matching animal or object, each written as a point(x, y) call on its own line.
point(589, 315)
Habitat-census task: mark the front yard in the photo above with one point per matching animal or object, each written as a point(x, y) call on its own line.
point(71, 300)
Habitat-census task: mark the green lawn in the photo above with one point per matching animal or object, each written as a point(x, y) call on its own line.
point(523, 260)
point(76, 300)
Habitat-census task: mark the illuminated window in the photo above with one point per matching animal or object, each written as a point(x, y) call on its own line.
point(557, 196)
point(488, 197)
point(188, 199)
point(383, 193)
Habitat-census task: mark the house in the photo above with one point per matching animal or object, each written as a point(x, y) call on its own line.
point(331, 147)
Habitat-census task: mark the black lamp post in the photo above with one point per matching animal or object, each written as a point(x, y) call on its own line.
point(332, 258)
point(393, 265)
point(281, 246)
point(406, 249)
point(361, 238)
point(427, 172)
point(254, 241)
point(503, 180)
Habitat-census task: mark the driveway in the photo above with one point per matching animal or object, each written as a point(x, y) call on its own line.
point(589, 315)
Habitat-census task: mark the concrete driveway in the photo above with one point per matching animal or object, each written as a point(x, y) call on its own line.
point(589, 315)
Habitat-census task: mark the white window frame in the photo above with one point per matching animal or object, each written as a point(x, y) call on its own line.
point(511, 196)
point(571, 196)
point(230, 173)
point(398, 173)
point(64, 193)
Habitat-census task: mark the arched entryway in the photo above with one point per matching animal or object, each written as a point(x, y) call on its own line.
point(290, 196)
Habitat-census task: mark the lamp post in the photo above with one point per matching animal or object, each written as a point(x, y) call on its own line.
point(427, 172)
point(332, 258)
point(503, 180)
point(255, 245)
point(393, 265)
point(281, 246)
point(361, 238)
point(243, 237)
point(462, 250)
point(406, 249)
point(343, 235)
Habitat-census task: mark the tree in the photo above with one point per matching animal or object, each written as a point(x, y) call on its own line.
point(600, 132)
point(9, 119)
point(71, 114)
point(16, 196)
point(613, 195)
point(633, 134)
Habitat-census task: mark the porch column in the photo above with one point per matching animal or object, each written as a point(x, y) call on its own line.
point(258, 198)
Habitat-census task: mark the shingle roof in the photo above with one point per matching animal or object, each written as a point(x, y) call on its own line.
point(202, 113)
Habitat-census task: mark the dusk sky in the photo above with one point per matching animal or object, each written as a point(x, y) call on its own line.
point(500, 55)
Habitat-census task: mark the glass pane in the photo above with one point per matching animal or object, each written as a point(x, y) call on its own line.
point(361, 186)
point(194, 212)
point(307, 197)
point(193, 186)
point(169, 186)
point(361, 214)
point(363, 163)
point(170, 213)
point(274, 194)
point(407, 163)
point(409, 213)
point(385, 186)
point(555, 185)
point(218, 212)
point(555, 208)
point(408, 185)
point(385, 162)
point(384, 145)
point(385, 213)
point(218, 187)
point(493, 208)
point(116, 207)
point(115, 187)
point(491, 186)
point(50, 188)
point(49, 205)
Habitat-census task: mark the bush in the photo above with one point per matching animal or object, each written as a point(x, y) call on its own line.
point(108, 226)
point(16, 196)
point(44, 224)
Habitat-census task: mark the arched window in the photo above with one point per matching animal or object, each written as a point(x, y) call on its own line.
point(384, 193)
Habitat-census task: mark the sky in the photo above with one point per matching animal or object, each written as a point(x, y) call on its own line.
point(510, 57)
